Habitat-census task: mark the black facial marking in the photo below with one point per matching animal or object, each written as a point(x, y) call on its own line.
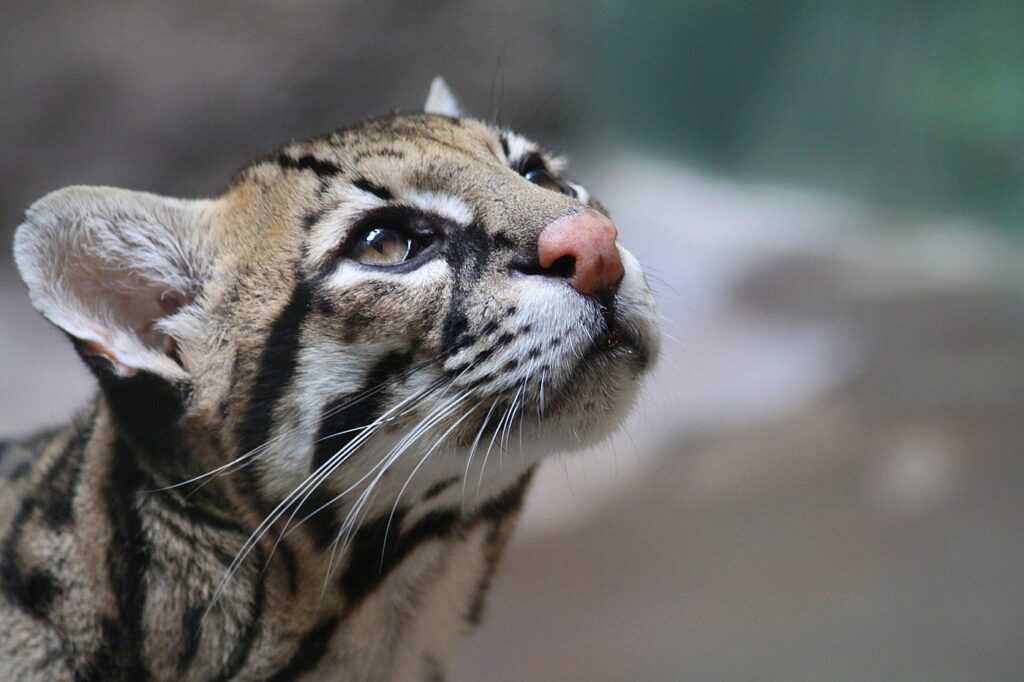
point(278, 362)
point(505, 147)
point(466, 256)
point(308, 162)
point(382, 193)
point(343, 416)
point(455, 326)
point(311, 649)
point(277, 365)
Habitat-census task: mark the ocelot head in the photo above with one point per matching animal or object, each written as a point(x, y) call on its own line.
point(416, 307)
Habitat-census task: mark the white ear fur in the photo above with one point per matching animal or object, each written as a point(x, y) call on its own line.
point(111, 267)
point(440, 100)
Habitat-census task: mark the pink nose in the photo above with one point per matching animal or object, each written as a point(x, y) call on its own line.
point(582, 247)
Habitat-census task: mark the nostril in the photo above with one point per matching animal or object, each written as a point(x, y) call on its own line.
point(564, 266)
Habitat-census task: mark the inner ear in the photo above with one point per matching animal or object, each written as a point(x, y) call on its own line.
point(132, 299)
point(113, 268)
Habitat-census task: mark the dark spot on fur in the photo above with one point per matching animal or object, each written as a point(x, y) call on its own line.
point(505, 339)
point(308, 162)
point(483, 355)
point(502, 240)
point(311, 219)
point(325, 306)
point(381, 193)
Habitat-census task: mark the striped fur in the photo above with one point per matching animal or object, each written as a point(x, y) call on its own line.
point(298, 466)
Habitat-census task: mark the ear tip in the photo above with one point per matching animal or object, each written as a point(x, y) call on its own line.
point(440, 99)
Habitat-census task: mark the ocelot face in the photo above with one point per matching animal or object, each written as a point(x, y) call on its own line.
point(382, 312)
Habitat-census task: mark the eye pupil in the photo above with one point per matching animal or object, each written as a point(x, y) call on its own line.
point(381, 246)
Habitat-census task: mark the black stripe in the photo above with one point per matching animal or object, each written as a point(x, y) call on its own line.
point(57, 506)
point(373, 188)
point(35, 590)
point(495, 511)
point(505, 148)
point(311, 649)
point(323, 526)
point(439, 487)
point(278, 362)
point(148, 408)
point(120, 655)
point(240, 654)
point(308, 162)
point(371, 560)
point(191, 630)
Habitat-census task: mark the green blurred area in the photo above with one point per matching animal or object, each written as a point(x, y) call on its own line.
point(912, 104)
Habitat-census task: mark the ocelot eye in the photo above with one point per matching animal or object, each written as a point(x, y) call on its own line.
point(382, 246)
point(535, 172)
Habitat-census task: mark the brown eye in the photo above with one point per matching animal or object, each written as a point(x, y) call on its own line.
point(542, 178)
point(381, 246)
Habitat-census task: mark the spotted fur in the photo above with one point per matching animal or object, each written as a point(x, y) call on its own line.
point(299, 466)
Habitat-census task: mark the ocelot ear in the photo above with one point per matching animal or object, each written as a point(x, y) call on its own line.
point(117, 271)
point(440, 100)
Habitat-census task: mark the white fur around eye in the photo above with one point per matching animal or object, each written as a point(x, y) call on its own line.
point(518, 147)
point(445, 205)
point(349, 274)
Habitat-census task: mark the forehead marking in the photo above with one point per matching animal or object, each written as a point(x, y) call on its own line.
point(308, 162)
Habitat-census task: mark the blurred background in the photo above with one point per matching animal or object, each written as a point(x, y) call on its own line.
point(824, 478)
